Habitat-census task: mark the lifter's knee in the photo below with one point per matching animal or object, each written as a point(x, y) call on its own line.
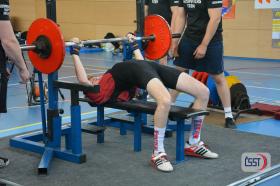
point(203, 96)
point(205, 92)
point(164, 102)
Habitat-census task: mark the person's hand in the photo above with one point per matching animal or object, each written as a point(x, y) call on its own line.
point(24, 75)
point(132, 41)
point(75, 49)
point(200, 51)
point(131, 37)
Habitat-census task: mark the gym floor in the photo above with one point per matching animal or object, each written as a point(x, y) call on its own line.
point(260, 78)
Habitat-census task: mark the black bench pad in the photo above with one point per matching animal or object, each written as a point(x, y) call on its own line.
point(150, 107)
point(76, 86)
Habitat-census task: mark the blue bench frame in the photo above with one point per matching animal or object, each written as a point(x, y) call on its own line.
point(139, 125)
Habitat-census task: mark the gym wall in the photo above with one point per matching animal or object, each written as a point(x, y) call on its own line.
point(23, 12)
point(84, 18)
point(248, 35)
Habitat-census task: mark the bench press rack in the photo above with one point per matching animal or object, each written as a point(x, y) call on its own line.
point(48, 141)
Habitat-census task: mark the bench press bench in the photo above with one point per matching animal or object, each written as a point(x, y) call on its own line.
point(137, 107)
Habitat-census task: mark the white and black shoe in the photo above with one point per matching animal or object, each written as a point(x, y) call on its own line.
point(199, 150)
point(4, 162)
point(161, 162)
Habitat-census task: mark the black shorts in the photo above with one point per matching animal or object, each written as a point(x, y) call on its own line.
point(139, 73)
point(212, 63)
point(4, 10)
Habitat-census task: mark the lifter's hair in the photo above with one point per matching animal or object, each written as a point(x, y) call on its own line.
point(90, 77)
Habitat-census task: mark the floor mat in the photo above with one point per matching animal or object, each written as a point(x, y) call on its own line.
point(115, 163)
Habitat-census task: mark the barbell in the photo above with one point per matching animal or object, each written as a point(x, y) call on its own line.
point(46, 46)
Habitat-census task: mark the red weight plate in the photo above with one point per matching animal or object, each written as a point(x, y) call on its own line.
point(49, 29)
point(157, 26)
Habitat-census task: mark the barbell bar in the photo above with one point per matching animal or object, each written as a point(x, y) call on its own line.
point(46, 46)
point(118, 39)
point(88, 42)
point(27, 47)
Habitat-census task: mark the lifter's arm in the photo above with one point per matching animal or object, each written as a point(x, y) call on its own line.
point(136, 51)
point(79, 68)
point(138, 55)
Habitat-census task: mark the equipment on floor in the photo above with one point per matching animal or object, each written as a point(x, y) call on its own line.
point(239, 97)
point(238, 92)
point(240, 101)
point(33, 90)
point(267, 109)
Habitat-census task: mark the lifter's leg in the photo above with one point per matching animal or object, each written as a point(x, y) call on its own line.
point(156, 89)
point(190, 85)
point(174, 93)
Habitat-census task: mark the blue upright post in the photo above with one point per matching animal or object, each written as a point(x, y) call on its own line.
point(54, 127)
point(100, 122)
point(124, 51)
point(137, 131)
point(68, 139)
point(180, 140)
point(42, 104)
point(122, 128)
point(76, 131)
point(55, 140)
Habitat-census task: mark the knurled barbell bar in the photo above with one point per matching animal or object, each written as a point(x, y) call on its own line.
point(42, 43)
point(46, 46)
point(118, 39)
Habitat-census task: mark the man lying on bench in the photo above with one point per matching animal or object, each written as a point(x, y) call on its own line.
point(119, 83)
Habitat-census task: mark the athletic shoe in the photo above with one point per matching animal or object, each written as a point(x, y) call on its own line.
point(4, 162)
point(161, 163)
point(230, 123)
point(199, 150)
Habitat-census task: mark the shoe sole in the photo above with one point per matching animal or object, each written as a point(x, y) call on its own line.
point(197, 155)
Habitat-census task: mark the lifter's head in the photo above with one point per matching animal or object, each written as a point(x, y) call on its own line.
point(94, 80)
